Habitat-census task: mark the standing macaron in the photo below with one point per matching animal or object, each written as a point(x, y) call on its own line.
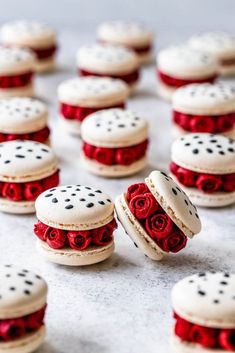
point(204, 312)
point(17, 67)
point(178, 66)
point(204, 165)
point(38, 37)
point(27, 168)
point(79, 97)
point(23, 301)
point(132, 35)
point(109, 60)
point(219, 44)
point(157, 215)
point(204, 108)
point(23, 118)
point(75, 225)
point(115, 143)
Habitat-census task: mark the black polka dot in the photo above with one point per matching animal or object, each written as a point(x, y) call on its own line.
point(30, 283)
point(201, 274)
point(98, 191)
point(48, 195)
point(216, 301)
point(39, 157)
point(68, 207)
point(12, 289)
point(221, 292)
point(90, 194)
point(73, 195)
point(187, 144)
point(67, 200)
point(109, 200)
point(230, 149)
point(8, 275)
point(82, 199)
point(101, 202)
point(222, 153)
point(27, 292)
point(213, 141)
point(174, 191)
point(121, 125)
point(63, 190)
point(87, 187)
point(19, 156)
point(89, 205)
point(224, 283)
point(7, 161)
point(21, 274)
point(54, 200)
point(209, 150)
point(195, 151)
point(77, 189)
point(202, 293)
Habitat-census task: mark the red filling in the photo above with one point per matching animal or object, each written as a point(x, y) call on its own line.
point(204, 123)
point(154, 219)
point(11, 329)
point(78, 240)
point(39, 136)
point(113, 156)
point(72, 112)
point(44, 53)
point(28, 191)
point(129, 78)
point(177, 82)
point(208, 183)
point(205, 336)
point(15, 81)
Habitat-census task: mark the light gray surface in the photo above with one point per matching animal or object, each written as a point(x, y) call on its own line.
point(122, 305)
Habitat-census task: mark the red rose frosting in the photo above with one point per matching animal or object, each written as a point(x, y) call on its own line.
point(15, 81)
point(12, 191)
point(209, 183)
point(51, 181)
point(201, 124)
point(104, 155)
point(159, 226)
point(103, 235)
point(38, 136)
point(186, 177)
point(143, 206)
point(177, 82)
point(45, 53)
point(32, 190)
point(129, 78)
point(229, 182)
point(227, 339)
point(125, 156)
point(55, 238)
point(204, 336)
point(136, 189)
point(79, 240)
point(40, 230)
point(182, 328)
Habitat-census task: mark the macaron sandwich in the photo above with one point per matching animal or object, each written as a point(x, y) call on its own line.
point(22, 309)
point(27, 168)
point(204, 312)
point(204, 166)
point(115, 143)
point(157, 215)
point(75, 225)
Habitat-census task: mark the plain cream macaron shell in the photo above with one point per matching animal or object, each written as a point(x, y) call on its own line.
point(205, 99)
point(16, 61)
point(186, 63)
point(204, 153)
point(114, 128)
point(23, 161)
point(93, 91)
point(19, 115)
point(26, 91)
point(74, 207)
point(22, 292)
point(206, 299)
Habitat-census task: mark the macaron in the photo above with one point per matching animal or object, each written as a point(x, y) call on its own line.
point(108, 60)
point(219, 44)
point(27, 168)
point(115, 143)
point(178, 66)
point(157, 215)
point(23, 118)
point(75, 225)
point(36, 36)
point(133, 35)
point(204, 166)
point(204, 312)
point(79, 97)
point(204, 107)
point(17, 68)
point(22, 310)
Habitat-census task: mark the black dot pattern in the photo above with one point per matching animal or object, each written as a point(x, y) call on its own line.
point(11, 56)
point(25, 28)
point(213, 41)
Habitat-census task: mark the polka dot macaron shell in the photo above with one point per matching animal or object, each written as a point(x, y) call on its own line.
point(207, 299)
point(206, 153)
point(175, 202)
point(21, 292)
point(74, 207)
point(15, 60)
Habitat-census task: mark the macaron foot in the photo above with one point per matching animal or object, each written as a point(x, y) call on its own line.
point(70, 126)
point(26, 91)
point(16, 207)
point(46, 65)
point(165, 92)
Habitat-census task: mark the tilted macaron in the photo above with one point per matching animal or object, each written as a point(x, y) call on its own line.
point(23, 118)
point(108, 60)
point(17, 67)
point(219, 44)
point(157, 215)
point(133, 35)
point(204, 311)
point(79, 97)
point(23, 301)
point(27, 168)
point(178, 66)
point(115, 142)
point(36, 36)
point(204, 165)
point(204, 107)
point(76, 225)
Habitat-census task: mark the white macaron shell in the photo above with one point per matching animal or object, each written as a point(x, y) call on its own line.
point(19, 115)
point(106, 59)
point(126, 33)
point(74, 207)
point(174, 202)
point(186, 63)
point(16, 60)
point(28, 33)
point(22, 292)
point(22, 161)
point(92, 91)
point(114, 128)
point(221, 44)
point(206, 153)
point(206, 299)
point(205, 98)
